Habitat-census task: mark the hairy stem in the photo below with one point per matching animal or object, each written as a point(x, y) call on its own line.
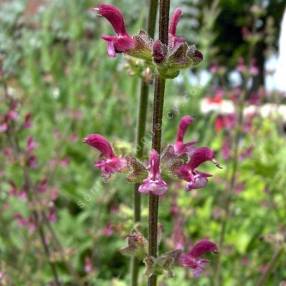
point(140, 134)
point(158, 105)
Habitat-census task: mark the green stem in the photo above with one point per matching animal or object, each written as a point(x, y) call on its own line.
point(140, 134)
point(158, 105)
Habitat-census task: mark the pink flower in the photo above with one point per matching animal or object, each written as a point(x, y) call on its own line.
point(27, 223)
point(107, 230)
point(241, 67)
point(253, 69)
point(178, 236)
point(3, 127)
point(110, 163)
point(32, 161)
point(88, 265)
point(31, 144)
point(52, 215)
point(154, 184)
point(42, 185)
point(28, 121)
point(226, 148)
point(193, 260)
point(174, 40)
point(196, 179)
point(121, 42)
point(227, 121)
point(180, 147)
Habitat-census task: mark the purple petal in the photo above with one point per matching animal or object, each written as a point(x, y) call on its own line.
point(185, 173)
point(196, 264)
point(114, 16)
point(118, 44)
point(100, 143)
point(183, 125)
point(111, 165)
point(154, 162)
point(200, 156)
point(201, 247)
point(174, 21)
point(110, 46)
point(198, 181)
point(156, 187)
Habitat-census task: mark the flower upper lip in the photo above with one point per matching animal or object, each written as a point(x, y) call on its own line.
point(114, 16)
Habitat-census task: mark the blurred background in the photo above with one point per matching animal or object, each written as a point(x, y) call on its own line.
point(58, 85)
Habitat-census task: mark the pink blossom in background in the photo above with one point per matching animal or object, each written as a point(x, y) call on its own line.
point(178, 237)
point(28, 121)
point(192, 259)
point(31, 144)
point(3, 127)
point(88, 267)
point(107, 230)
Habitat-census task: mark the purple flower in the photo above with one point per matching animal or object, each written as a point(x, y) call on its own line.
point(154, 184)
point(31, 144)
point(180, 147)
point(52, 215)
point(174, 40)
point(193, 260)
point(110, 163)
point(3, 127)
point(178, 236)
point(121, 42)
point(27, 121)
point(88, 266)
point(188, 172)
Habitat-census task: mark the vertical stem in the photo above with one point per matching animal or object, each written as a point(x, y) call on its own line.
point(230, 188)
point(156, 134)
point(275, 258)
point(46, 248)
point(140, 134)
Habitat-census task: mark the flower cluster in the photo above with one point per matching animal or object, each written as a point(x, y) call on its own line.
point(180, 159)
point(168, 60)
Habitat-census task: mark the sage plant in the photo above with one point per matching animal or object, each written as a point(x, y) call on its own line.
point(165, 57)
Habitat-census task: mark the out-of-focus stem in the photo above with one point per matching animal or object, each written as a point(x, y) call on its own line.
point(275, 258)
point(235, 159)
point(231, 186)
point(46, 249)
point(140, 134)
point(158, 105)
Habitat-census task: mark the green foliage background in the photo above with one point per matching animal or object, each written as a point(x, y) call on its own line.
point(57, 65)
